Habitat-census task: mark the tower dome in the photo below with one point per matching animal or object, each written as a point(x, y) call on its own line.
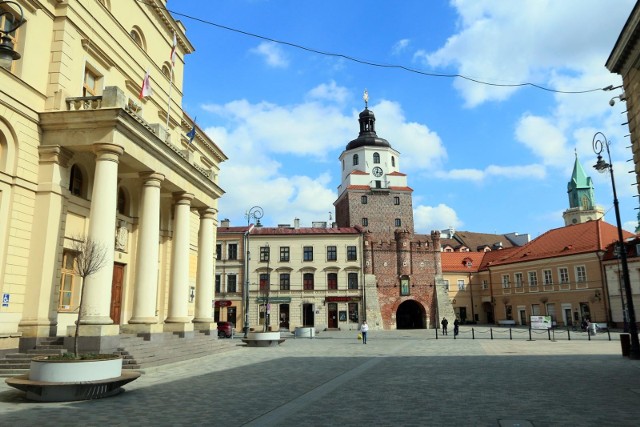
point(367, 136)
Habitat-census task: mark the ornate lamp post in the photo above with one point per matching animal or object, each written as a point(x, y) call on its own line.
point(602, 166)
point(10, 24)
point(255, 213)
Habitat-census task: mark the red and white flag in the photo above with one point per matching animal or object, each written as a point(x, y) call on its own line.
point(174, 50)
point(146, 86)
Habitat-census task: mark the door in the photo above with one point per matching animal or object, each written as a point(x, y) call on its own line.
point(523, 317)
point(332, 320)
point(116, 293)
point(567, 317)
point(308, 318)
point(231, 315)
point(284, 317)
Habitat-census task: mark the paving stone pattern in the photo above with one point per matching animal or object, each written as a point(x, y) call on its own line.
point(400, 378)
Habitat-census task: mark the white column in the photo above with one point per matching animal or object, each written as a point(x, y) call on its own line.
point(179, 292)
point(204, 280)
point(102, 226)
point(146, 280)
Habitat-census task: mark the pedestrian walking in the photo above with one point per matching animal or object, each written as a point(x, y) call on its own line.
point(456, 324)
point(364, 329)
point(444, 324)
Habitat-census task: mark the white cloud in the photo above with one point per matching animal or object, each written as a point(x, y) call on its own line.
point(253, 136)
point(272, 54)
point(400, 46)
point(544, 139)
point(515, 42)
point(329, 92)
point(420, 147)
point(478, 175)
point(429, 218)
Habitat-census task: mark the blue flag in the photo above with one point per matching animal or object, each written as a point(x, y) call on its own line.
point(192, 132)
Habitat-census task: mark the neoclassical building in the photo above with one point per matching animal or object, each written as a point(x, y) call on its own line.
point(83, 155)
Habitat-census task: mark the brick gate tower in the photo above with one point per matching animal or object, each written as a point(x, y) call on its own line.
point(401, 268)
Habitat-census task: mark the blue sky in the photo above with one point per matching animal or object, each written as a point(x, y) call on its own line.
point(479, 158)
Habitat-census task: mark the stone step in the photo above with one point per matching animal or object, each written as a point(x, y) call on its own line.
point(46, 351)
point(5, 373)
point(8, 364)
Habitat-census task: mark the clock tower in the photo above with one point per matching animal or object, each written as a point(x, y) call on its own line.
point(373, 192)
point(582, 206)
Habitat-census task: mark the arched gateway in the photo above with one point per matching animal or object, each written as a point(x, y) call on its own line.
point(410, 315)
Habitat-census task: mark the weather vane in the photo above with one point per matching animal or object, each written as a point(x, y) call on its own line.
point(366, 98)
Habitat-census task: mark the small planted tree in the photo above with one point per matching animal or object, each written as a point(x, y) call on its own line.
point(90, 257)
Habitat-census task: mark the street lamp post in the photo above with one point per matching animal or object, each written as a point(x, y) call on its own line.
point(256, 213)
point(7, 54)
point(602, 166)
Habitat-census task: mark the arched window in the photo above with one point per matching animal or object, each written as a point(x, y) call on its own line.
point(393, 161)
point(166, 70)
point(76, 181)
point(376, 158)
point(355, 160)
point(138, 38)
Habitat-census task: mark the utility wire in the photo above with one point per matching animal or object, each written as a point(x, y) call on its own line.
point(370, 63)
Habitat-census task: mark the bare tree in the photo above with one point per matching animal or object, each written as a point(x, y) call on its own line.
point(90, 257)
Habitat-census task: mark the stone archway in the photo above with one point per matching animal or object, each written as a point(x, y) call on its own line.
point(410, 315)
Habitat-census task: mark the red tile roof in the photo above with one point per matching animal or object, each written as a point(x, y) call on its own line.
point(573, 239)
point(457, 261)
point(233, 229)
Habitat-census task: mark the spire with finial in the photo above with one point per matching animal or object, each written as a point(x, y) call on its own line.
point(365, 96)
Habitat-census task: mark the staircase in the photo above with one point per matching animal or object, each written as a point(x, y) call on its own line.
point(136, 352)
point(18, 363)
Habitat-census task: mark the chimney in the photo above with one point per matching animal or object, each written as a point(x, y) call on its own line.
point(225, 223)
point(296, 223)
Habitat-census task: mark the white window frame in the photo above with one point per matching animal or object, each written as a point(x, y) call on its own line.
point(533, 278)
point(563, 275)
point(461, 286)
point(581, 274)
point(505, 281)
point(517, 277)
point(547, 275)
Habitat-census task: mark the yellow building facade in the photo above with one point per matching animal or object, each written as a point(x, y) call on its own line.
point(84, 156)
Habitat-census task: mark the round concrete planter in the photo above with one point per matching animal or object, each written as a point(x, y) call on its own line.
point(263, 335)
point(65, 371)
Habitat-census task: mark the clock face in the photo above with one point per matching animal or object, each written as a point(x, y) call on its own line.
point(377, 171)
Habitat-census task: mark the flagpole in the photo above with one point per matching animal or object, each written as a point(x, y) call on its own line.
point(169, 101)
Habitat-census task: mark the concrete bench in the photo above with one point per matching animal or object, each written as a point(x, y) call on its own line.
point(506, 322)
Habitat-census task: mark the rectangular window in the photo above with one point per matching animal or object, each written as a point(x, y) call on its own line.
point(90, 84)
point(548, 277)
point(231, 283)
point(285, 281)
point(446, 285)
point(218, 284)
point(352, 253)
point(218, 251)
point(307, 281)
point(581, 274)
point(365, 222)
point(232, 251)
point(535, 309)
point(563, 273)
point(533, 278)
point(264, 253)
point(264, 281)
point(460, 284)
point(352, 280)
point(284, 253)
point(307, 253)
point(363, 199)
point(518, 279)
point(398, 222)
point(505, 281)
point(68, 282)
point(332, 281)
point(332, 253)
point(396, 200)
point(485, 284)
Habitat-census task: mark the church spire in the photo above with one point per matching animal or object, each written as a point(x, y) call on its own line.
point(582, 206)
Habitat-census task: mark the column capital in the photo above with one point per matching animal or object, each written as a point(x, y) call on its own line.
point(183, 198)
point(110, 152)
point(207, 213)
point(151, 179)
